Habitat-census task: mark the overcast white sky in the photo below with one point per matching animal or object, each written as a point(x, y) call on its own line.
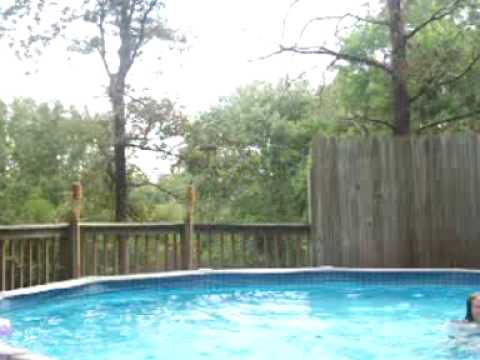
point(223, 37)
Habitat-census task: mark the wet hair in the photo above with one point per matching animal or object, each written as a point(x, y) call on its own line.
point(469, 315)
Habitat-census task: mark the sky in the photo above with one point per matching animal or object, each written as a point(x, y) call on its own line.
point(225, 39)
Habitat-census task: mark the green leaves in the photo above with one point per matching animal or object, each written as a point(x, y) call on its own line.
point(443, 69)
point(248, 155)
point(44, 149)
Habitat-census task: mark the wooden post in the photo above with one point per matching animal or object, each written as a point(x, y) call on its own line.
point(123, 254)
point(188, 235)
point(75, 256)
point(3, 270)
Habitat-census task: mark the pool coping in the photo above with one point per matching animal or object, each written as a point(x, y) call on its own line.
point(8, 352)
point(69, 284)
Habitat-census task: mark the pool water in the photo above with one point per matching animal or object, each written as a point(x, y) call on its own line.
point(277, 320)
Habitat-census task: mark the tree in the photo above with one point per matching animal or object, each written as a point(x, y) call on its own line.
point(392, 60)
point(118, 31)
point(44, 149)
point(133, 24)
point(248, 155)
point(443, 73)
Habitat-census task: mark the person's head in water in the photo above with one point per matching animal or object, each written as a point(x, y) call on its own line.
point(473, 308)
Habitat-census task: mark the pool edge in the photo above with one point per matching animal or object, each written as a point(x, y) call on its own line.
point(70, 284)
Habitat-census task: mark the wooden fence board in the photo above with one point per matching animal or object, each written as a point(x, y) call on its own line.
point(396, 202)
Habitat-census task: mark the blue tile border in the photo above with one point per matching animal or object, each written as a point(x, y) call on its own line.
point(213, 279)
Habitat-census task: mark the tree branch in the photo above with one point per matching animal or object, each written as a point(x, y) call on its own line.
point(132, 11)
point(102, 48)
point(338, 55)
point(295, 2)
point(436, 16)
point(374, 121)
point(448, 120)
point(152, 148)
point(141, 35)
point(358, 124)
point(159, 187)
point(340, 19)
point(455, 78)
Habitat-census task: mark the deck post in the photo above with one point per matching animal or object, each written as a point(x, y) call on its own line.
point(187, 234)
point(74, 258)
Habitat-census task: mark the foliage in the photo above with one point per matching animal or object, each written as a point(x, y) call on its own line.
point(118, 32)
point(248, 155)
point(44, 149)
point(443, 67)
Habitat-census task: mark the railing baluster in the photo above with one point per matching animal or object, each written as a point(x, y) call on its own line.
point(83, 255)
point(94, 254)
point(210, 263)
point(35, 263)
point(244, 249)
point(116, 251)
point(137, 254)
point(252, 253)
point(234, 255)
point(157, 252)
point(165, 251)
point(105, 254)
point(12, 264)
point(41, 270)
point(47, 264)
point(22, 262)
point(257, 260)
point(222, 249)
point(276, 253)
point(175, 252)
point(37, 270)
point(266, 256)
point(147, 251)
point(30, 262)
point(287, 243)
point(308, 252)
point(199, 250)
point(3, 267)
point(54, 258)
point(298, 254)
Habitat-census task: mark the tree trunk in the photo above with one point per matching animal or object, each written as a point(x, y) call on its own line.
point(117, 96)
point(117, 93)
point(401, 102)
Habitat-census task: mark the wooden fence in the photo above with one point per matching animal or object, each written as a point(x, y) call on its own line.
point(32, 255)
point(395, 202)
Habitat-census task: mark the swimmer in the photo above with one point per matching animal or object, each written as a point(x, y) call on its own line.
point(473, 309)
point(5, 327)
point(464, 335)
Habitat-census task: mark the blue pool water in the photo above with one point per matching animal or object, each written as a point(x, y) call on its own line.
point(248, 317)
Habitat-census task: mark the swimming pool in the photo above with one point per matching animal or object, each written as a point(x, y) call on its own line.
point(301, 314)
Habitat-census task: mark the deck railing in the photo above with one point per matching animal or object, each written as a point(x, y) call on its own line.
point(32, 255)
point(257, 245)
point(39, 254)
point(150, 247)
